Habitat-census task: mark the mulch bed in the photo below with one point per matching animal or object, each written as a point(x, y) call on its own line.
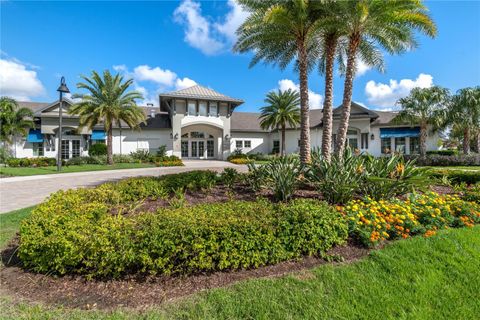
point(141, 291)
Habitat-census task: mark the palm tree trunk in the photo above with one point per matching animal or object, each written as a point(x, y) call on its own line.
point(423, 139)
point(304, 109)
point(330, 44)
point(109, 145)
point(347, 92)
point(477, 142)
point(466, 140)
point(283, 141)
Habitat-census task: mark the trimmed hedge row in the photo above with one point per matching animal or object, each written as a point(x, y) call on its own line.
point(31, 162)
point(67, 234)
point(447, 160)
point(458, 176)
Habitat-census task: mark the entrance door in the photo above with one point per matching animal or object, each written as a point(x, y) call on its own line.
point(194, 149)
point(75, 148)
point(201, 149)
point(210, 149)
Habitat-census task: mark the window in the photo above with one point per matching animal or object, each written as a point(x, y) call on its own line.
point(400, 145)
point(192, 108)
point(247, 144)
point(351, 132)
point(213, 109)
point(185, 135)
point(198, 135)
point(276, 146)
point(38, 149)
point(65, 149)
point(386, 145)
point(364, 140)
point(414, 145)
point(202, 108)
point(353, 143)
point(239, 144)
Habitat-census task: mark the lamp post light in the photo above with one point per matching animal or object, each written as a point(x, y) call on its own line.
point(62, 89)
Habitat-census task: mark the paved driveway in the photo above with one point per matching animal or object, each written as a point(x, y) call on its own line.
point(21, 192)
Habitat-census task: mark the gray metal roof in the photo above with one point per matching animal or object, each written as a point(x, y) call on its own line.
point(200, 92)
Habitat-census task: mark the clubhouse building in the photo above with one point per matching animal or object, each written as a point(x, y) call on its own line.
point(200, 123)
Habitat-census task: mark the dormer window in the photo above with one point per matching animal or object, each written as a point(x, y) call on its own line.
point(202, 108)
point(192, 108)
point(213, 109)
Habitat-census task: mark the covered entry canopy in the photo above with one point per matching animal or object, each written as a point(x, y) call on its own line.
point(399, 132)
point(35, 135)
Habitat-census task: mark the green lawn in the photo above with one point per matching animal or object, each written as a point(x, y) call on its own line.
point(10, 171)
point(419, 278)
point(468, 168)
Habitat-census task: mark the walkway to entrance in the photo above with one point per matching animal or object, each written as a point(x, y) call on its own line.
point(20, 192)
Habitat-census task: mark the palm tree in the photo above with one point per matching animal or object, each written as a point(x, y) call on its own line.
point(14, 121)
point(464, 114)
point(388, 24)
point(108, 101)
point(424, 106)
point(281, 109)
point(279, 31)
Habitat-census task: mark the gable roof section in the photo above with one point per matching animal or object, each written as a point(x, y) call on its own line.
point(200, 92)
point(356, 111)
point(384, 118)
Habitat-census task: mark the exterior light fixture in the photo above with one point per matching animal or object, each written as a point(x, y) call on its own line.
point(62, 89)
point(227, 136)
point(372, 137)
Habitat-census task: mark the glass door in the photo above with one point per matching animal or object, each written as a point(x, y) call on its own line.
point(185, 149)
point(194, 149)
point(201, 149)
point(210, 149)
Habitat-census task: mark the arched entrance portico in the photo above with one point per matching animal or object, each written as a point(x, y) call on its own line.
point(200, 141)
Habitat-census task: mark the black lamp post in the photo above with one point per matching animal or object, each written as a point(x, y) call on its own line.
point(62, 89)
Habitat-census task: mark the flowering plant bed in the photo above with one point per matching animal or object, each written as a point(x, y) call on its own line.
point(372, 222)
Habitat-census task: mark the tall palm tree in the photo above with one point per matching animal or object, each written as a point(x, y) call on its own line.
point(108, 101)
point(388, 24)
point(281, 109)
point(464, 114)
point(279, 32)
point(14, 121)
point(424, 106)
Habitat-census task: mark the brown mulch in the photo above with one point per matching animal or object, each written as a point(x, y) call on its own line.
point(141, 291)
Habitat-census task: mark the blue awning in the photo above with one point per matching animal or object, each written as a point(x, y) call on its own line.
point(98, 135)
point(399, 132)
point(35, 135)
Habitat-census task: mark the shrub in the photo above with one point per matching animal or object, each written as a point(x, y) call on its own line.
point(162, 151)
point(457, 176)
point(77, 161)
point(199, 180)
point(67, 235)
point(281, 176)
point(469, 192)
point(372, 221)
point(237, 154)
point(5, 154)
point(256, 177)
point(142, 155)
point(241, 161)
point(97, 149)
point(444, 160)
point(167, 161)
point(443, 152)
point(229, 177)
point(123, 158)
point(31, 162)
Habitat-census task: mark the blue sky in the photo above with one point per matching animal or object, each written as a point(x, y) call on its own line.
point(169, 45)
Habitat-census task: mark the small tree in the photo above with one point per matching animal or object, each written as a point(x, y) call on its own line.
point(464, 114)
point(14, 121)
point(108, 101)
point(282, 109)
point(424, 106)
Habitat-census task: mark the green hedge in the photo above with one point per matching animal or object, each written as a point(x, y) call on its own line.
point(98, 149)
point(458, 176)
point(31, 162)
point(443, 152)
point(69, 235)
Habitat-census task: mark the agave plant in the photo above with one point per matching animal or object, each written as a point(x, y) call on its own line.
point(281, 176)
point(386, 177)
point(339, 179)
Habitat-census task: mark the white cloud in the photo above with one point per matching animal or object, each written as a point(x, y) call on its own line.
point(362, 68)
point(18, 82)
point(198, 28)
point(151, 81)
point(315, 100)
point(158, 75)
point(232, 21)
point(386, 95)
point(184, 83)
point(203, 33)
